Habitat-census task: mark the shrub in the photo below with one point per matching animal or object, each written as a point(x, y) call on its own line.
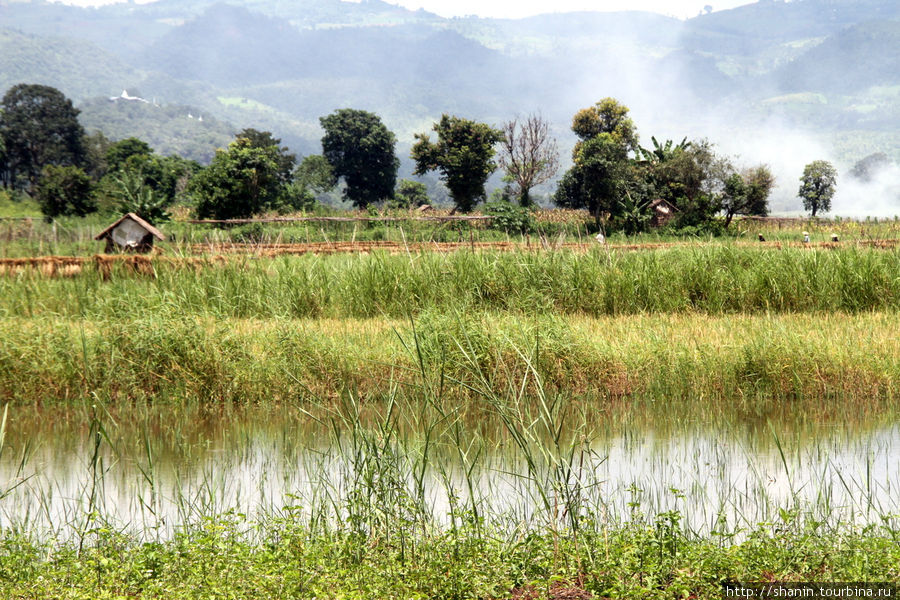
point(509, 217)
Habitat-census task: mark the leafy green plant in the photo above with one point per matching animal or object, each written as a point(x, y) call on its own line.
point(134, 195)
point(509, 217)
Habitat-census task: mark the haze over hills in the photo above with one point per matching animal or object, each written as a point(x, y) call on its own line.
point(777, 82)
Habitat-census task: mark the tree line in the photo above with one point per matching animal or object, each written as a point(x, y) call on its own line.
point(45, 152)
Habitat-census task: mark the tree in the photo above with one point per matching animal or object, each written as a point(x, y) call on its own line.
point(528, 154)
point(691, 177)
point(817, 186)
point(2, 154)
point(662, 153)
point(689, 172)
point(39, 127)
point(360, 149)
point(119, 152)
point(598, 179)
point(607, 116)
point(143, 183)
point(240, 182)
point(634, 214)
point(410, 194)
point(747, 193)
point(65, 191)
point(315, 173)
point(760, 182)
point(602, 173)
point(264, 139)
point(463, 153)
point(96, 146)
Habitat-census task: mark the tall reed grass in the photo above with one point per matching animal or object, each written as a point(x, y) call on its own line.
point(812, 366)
point(705, 279)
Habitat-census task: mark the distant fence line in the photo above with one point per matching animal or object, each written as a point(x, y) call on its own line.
point(335, 219)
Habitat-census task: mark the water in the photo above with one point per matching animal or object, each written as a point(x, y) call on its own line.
point(63, 473)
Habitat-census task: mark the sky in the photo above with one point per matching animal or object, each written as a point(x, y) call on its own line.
point(522, 8)
point(514, 9)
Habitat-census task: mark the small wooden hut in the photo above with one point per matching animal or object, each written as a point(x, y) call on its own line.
point(661, 211)
point(130, 234)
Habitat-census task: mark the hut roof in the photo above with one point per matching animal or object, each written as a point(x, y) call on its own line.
point(663, 205)
point(150, 228)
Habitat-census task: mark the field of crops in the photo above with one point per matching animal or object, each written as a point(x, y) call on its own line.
point(478, 415)
point(399, 232)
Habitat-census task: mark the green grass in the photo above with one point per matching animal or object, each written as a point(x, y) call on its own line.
point(724, 322)
point(16, 208)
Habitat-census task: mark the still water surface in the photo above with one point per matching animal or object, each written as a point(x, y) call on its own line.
point(59, 474)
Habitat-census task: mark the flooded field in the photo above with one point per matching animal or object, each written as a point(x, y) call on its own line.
point(64, 475)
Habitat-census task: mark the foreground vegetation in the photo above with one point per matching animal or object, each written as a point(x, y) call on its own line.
point(215, 559)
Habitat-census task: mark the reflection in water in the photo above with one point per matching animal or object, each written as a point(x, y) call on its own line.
point(149, 481)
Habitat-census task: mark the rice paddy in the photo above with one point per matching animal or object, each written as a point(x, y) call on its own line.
point(548, 422)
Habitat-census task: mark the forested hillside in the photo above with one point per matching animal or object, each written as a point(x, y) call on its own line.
point(170, 129)
point(78, 66)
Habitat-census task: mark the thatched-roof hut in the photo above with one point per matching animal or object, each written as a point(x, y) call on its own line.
point(130, 234)
point(661, 211)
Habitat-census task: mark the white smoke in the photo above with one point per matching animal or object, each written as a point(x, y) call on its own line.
point(878, 197)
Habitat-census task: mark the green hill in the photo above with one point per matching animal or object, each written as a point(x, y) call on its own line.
point(853, 59)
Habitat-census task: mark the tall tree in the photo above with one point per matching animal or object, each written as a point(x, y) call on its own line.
point(39, 127)
point(360, 149)
point(869, 167)
point(463, 153)
point(817, 186)
point(597, 180)
point(240, 182)
point(601, 172)
point(528, 154)
point(607, 116)
point(96, 146)
point(315, 173)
